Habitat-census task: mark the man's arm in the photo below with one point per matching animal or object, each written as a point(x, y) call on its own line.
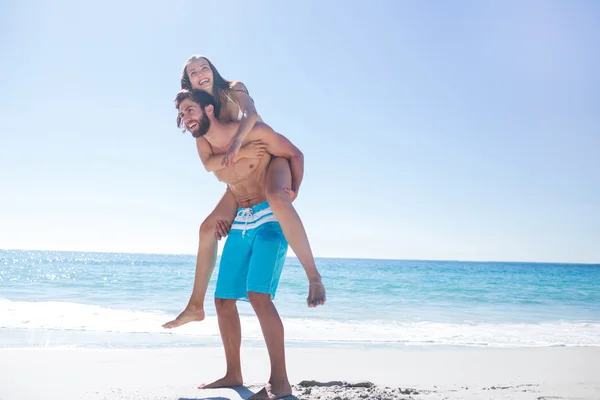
point(280, 146)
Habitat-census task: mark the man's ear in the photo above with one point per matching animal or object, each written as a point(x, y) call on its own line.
point(209, 110)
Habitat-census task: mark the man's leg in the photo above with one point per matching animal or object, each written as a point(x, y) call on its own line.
point(269, 249)
point(231, 285)
point(272, 329)
point(231, 335)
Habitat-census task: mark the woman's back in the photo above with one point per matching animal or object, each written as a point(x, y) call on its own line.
point(231, 109)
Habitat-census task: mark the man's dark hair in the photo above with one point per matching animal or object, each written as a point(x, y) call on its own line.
point(199, 97)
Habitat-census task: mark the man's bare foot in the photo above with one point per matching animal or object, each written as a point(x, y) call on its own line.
point(190, 314)
point(316, 294)
point(225, 382)
point(270, 392)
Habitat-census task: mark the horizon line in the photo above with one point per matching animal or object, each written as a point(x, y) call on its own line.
point(330, 257)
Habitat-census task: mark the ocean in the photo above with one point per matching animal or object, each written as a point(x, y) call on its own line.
point(110, 300)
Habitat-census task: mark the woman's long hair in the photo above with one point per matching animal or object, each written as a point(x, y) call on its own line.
point(220, 85)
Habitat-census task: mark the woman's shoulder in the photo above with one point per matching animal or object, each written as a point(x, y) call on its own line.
point(238, 86)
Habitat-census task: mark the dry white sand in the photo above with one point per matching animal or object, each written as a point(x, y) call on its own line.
point(540, 374)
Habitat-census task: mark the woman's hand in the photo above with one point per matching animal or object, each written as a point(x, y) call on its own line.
point(232, 153)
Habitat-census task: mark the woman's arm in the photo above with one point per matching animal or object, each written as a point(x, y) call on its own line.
point(239, 93)
point(214, 162)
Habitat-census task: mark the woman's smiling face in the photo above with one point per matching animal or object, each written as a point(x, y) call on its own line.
point(200, 75)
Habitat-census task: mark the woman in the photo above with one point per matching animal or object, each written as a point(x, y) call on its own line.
point(235, 104)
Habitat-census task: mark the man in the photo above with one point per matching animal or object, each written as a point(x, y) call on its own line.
point(255, 250)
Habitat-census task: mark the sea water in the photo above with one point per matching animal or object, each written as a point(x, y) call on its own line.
point(110, 300)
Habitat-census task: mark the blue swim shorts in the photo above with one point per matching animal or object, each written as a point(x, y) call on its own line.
point(253, 255)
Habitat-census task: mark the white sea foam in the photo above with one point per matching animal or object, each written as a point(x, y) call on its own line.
point(66, 316)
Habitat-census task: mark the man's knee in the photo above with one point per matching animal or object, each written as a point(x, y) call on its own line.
point(259, 300)
point(225, 306)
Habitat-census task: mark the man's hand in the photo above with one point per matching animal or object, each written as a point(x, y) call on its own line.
point(222, 229)
point(254, 149)
point(231, 153)
point(293, 194)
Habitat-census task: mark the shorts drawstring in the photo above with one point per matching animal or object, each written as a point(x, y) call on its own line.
point(247, 214)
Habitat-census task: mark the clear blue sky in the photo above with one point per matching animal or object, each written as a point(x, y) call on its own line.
point(431, 130)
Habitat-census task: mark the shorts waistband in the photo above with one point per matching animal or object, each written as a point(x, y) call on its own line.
point(252, 217)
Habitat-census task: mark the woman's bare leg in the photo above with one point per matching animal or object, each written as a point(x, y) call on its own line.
point(206, 259)
point(279, 177)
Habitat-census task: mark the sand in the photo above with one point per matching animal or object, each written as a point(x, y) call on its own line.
point(316, 373)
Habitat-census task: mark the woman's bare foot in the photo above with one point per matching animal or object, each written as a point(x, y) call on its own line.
point(190, 314)
point(225, 382)
point(271, 392)
point(316, 294)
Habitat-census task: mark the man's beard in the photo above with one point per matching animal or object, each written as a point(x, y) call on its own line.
point(203, 127)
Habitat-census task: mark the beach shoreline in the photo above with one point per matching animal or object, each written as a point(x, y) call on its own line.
point(419, 373)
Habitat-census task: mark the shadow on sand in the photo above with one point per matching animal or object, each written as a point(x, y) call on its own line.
point(242, 391)
point(204, 398)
